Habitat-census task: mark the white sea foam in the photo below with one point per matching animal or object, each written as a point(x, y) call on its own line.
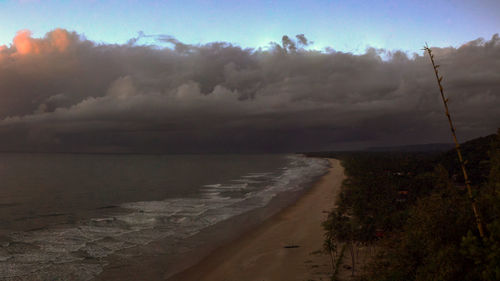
point(62, 253)
point(257, 175)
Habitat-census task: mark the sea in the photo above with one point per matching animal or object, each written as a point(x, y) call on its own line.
point(66, 216)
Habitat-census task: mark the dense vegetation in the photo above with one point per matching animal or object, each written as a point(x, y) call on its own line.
point(414, 208)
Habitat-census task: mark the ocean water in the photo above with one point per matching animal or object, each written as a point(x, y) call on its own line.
point(63, 215)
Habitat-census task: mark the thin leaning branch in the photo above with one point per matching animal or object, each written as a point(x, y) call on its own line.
point(457, 145)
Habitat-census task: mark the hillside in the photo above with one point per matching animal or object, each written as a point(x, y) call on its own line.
point(412, 208)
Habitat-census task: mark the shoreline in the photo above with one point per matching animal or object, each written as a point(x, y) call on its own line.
point(164, 258)
point(286, 246)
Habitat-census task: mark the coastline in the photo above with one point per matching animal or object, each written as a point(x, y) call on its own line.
point(286, 246)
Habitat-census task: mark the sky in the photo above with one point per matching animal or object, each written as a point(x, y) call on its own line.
point(161, 77)
point(349, 26)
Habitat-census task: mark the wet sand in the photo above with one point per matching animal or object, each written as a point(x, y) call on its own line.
point(288, 246)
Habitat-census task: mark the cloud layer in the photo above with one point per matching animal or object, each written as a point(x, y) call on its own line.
point(65, 93)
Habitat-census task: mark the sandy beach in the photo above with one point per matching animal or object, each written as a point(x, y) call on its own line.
point(285, 247)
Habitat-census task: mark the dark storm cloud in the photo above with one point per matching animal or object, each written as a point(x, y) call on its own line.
point(65, 93)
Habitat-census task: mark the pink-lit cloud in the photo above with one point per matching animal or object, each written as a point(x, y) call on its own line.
point(57, 40)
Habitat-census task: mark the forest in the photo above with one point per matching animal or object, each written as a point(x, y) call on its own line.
point(413, 211)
